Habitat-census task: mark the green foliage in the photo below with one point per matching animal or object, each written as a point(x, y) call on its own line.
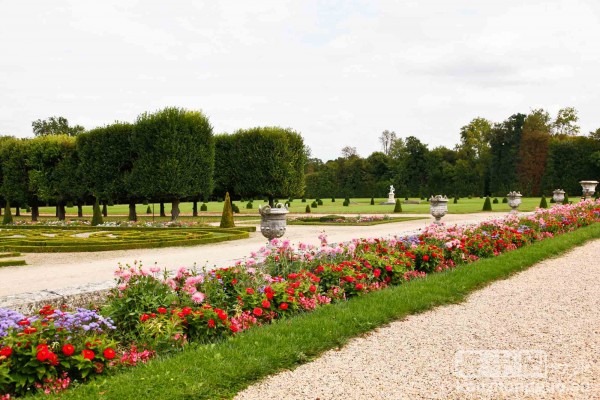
point(307, 210)
point(455, 201)
point(333, 199)
point(372, 201)
point(148, 210)
point(319, 202)
point(487, 204)
point(55, 126)
point(504, 200)
point(235, 208)
point(398, 206)
point(97, 214)
point(204, 207)
point(566, 200)
point(314, 204)
point(227, 216)
point(174, 155)
point(249, 205)
point(262, 161)
point(543, 202)
point(304, 200)
point(495, 201)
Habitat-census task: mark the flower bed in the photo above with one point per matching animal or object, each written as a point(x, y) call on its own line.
point(155, 311)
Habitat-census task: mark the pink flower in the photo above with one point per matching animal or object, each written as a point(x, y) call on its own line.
point(198, 297)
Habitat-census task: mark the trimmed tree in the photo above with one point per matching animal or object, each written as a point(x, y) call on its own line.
point(487, 204)
point(96, 214)
point(260, 162)
point(227, 216)
point(398, 206)
point(174, 156)
point(543, 202)
point(14, 178)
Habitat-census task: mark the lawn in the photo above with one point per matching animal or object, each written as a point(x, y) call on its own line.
point(357, 206)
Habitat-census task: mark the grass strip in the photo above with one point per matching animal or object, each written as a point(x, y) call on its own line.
point(368, 223)
point(12, 263)
point(221, 370)
point(13, 254)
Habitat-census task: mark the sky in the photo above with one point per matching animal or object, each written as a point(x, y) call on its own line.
point(338, 72)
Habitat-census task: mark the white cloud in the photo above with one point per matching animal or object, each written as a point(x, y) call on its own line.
point(339, 72)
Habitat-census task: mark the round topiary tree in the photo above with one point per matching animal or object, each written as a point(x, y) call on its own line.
point(204, 207)
point(227, 216)
point(314, 204)
point(495, 201)
point(487, 204)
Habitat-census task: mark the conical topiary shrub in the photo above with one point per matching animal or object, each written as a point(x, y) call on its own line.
point(398, 206)
point(227, 216)
point(543, 202)
point(314, 204)
point(307, 209)
point(495, 200)
point(487, 204)
point(7, 219)
point(566, 200)
point(148, 210)
point(455, 200)
point(333, 199)
point(203, 207)
point(96, 214)
point(249, 205)
point(372, 201)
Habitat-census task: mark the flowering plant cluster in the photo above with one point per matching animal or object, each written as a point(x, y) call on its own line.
point(154, 311)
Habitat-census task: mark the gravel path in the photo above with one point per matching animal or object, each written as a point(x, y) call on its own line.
point(536, 335)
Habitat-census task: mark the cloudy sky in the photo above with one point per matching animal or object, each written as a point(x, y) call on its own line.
point(338, 72)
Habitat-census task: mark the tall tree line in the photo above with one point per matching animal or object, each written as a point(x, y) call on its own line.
point(532, 153)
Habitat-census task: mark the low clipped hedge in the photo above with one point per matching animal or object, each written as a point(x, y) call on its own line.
point(127, 238)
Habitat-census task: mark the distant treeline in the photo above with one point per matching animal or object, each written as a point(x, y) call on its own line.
point(530, 153)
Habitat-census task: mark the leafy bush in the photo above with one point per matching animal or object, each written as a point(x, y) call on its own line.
point(314, 204)
point(372, 201)
point(504, 200)
point(249, 205)
point(319, 202)
point(7, 219)
point(333, 199)
point(204, 207)
point(96, 214)
point(227, 216)
point(148, 210)
point(487, 204)
point(455, 200)
point(235, 208)
point(307, 210)
point(304, 199)
point(495, 201)
point(328, 218)
point(543, 202)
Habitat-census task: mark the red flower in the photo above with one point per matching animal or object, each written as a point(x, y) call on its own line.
point(186, 310)
point(359, 286)
point(29, 330)
point(312, 288)
point(52, 358)
point(376, 272)
point(284, 306)
point(23, 322)
point(87, 354)
point(68, 350)
point(265, 304)
point(257, 311)
point(233, 328)
point(211, 323)
point(249, 290)
point(144, 317)
point(41, 346)
point(425, 257)
point(5, 351)
point(42, 355)
point(269, 295)
point(388, 268)
point(162, 310)
point(109, 353)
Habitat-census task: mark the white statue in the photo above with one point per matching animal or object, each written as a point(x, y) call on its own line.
point(392, 189)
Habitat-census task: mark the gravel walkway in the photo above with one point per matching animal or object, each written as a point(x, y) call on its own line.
point(536, 335)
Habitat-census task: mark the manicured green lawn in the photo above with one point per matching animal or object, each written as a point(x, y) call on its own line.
point(357, 206)
point(221, 370)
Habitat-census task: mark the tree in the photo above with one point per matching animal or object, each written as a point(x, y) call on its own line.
point(595, 134)
point(348, 152)
point(55, 126)
point(564, 124)
point(472, 167)
point(387, 138)
point(533, 152)
point(13, 171)
point(263, 161)
point(106, 160)
point(227, 215)
point(504, 150)
point(174, 153)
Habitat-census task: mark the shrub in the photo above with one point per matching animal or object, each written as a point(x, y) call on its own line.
point(504, 200)
point(495, 200)
point(307, 209)
point(329, 218)
point(145, 202)
point(8, 219)
point(566, 200)
point(314, 204)
point(346, 203)
point(235, 208)
point(96, 214)
point(333, 199)
point(487, 205)
point(552, 200)
point(249, 205)
point(543, 202)
point(372, 201)
point(148, 210)
point(455, 200)
point(319, 202)
point(398, 206)
point(304, 199)
point(470, 197)
point(227, 216)
point(204, 207)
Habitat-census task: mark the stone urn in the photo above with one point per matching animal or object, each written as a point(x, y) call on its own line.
point(558, 196)
point(273, 221)
point(514, 201)
point(438, 206)
point(589, 187)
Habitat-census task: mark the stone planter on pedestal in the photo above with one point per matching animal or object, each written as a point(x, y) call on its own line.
point(514, 201)
point(438, 206)
point(273, 221)
point(558, 196)
point(589, 187)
